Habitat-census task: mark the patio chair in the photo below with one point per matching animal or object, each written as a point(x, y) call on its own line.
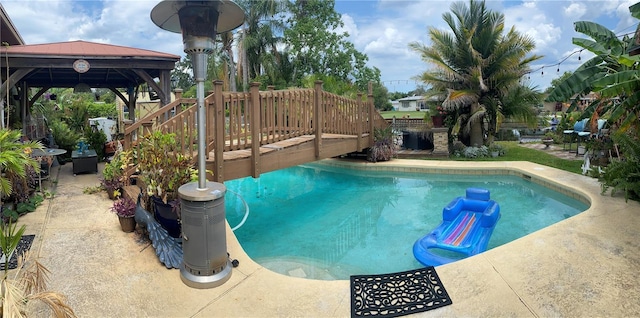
point(582, 132)
point(567, 137)
point(586, 132)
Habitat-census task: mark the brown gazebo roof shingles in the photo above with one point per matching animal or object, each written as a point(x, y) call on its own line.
point(84, 48)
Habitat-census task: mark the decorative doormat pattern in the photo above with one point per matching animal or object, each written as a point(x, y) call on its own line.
point(23, 246)
point(397, 294)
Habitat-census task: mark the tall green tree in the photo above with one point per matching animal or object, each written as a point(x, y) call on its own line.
point(182, 74)
point(260, 37)
point(477, 65)
point(316, 47)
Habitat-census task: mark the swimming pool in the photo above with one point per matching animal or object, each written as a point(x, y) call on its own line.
point(324, 222)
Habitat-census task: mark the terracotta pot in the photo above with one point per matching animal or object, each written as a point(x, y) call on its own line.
point(128, 225)
point(438, 121)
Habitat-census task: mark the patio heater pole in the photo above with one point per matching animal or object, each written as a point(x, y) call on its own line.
point(205, 262)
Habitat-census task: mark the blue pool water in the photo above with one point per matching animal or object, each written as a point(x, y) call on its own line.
point(329, 223)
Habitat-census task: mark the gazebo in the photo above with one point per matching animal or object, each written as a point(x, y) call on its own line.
point(79, 65)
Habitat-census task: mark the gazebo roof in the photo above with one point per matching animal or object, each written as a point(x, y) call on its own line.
point(86, 49)
point(52, 64)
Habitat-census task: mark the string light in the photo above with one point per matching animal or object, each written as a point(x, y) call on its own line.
point(579, 52)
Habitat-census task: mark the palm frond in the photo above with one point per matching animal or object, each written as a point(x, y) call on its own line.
point(56, 302)
point(35, 278)
point(578, 82)
point(13, 300)
point(459, 99)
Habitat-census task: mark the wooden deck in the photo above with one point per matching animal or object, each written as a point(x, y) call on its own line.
point(283, 154)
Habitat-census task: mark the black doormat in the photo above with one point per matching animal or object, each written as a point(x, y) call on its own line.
point(397, 294)
point(23, 246)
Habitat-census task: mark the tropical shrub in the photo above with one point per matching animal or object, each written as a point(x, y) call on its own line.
point(102, 110)
point(65, 137)
point(476, 152)
point(14, 159)
point(23, 187)
point(162, 166)
point(623, 174)
point(21, 208)
point(383, 148)
point(497, 148)
point(96, 140)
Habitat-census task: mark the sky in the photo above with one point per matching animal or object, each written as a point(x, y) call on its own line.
point(382, 29)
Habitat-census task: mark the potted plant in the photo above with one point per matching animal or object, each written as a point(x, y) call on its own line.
point(162, 169)
point(437, 116)
point(113, 174)
point(383, 148)
point(548, 139)
point(125, 209)
point(495, 149)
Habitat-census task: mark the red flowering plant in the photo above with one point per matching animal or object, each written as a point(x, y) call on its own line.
point(437, 111)
point(438, 115)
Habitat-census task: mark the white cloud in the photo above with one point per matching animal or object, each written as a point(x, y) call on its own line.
point(531, 20)
point(349, 26)
point(575, 10)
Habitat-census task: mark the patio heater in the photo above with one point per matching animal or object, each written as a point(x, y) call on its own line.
point(206, 262)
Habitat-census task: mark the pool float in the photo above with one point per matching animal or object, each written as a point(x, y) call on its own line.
point(467, 225)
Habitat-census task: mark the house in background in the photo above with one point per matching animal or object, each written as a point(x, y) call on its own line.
point(416, 103)
point(412, 103)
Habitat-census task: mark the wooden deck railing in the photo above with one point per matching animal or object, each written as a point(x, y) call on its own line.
point(235, 120)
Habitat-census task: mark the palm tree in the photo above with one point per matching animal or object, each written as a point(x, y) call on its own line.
point(230, 66)
point(14, 158)
point(259, 35)
point(476, 67)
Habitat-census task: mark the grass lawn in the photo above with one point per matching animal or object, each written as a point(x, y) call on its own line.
point(414, 114)
point(514, 152)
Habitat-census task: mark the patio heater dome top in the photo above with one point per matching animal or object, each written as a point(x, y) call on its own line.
point(165, 14)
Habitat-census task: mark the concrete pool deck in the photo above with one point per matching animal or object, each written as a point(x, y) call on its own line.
point(585, 266)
